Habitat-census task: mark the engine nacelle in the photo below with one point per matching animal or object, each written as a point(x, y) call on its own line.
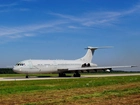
point(93, 65)
point(86, 65)
point(108, 70)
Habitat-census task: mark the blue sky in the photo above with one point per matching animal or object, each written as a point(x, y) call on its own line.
point(61, 29)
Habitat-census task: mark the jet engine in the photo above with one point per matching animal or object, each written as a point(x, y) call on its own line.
point(108, 70)
point(86, 65)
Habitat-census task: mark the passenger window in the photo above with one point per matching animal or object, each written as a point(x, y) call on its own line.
point(17, 64)
point(20, 64)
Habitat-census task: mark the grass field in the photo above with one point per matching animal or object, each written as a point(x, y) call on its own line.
point(78, 91)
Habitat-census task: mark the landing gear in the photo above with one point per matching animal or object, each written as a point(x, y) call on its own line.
point(62, 75)
point(76, 74)
point(27, 76)
point(95, 71)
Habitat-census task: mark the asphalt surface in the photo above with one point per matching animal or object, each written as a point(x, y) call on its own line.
point(82, 76)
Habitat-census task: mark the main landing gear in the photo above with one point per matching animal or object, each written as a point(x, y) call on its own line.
point(76, 74)
point(62, 75)
point(27, 76)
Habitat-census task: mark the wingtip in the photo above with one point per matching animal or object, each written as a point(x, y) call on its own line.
point(134, 66)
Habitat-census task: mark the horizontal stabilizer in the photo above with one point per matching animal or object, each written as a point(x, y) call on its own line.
point(94, 48)
point(90, 52)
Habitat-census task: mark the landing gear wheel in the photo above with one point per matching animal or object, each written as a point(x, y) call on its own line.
point(76, 75)
point(27, 76)
point(62, 75)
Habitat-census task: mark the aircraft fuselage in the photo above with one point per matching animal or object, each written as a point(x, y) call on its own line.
point(47, 66)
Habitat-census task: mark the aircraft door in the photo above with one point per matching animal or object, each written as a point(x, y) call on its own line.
point(33, 69)
point(30, 64)
point(55, 65)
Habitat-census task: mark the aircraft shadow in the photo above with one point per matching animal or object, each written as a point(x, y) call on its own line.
point(50, 76)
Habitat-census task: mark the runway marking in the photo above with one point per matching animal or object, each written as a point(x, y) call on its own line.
point(82, 76)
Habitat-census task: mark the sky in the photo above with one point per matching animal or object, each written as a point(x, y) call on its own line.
point(61, 29)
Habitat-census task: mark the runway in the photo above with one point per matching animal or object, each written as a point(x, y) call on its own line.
point(82, 76)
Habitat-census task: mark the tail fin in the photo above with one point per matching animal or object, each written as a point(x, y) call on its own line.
point(90, 52)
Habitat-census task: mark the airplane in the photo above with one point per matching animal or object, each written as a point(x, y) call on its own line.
point(62, 66)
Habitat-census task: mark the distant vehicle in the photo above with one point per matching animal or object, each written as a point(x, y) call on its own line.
point(62, 66)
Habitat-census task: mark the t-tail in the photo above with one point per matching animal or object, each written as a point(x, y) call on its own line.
point(90, 52)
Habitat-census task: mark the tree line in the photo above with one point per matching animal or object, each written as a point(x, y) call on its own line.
point(6, 71)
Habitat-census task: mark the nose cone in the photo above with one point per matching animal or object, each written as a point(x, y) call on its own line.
point(16, 69)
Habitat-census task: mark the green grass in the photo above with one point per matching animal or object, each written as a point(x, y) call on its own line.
point(69, 91)
point(14, 87)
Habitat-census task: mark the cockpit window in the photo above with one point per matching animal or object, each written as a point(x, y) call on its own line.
point(20, 64)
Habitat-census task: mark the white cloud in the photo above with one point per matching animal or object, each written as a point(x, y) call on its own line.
point(90, 19)
point(86, 20)
point(28, 34)
point(72, 27)
point(133, 10)
point(8, 5)
point(12, 7)
point(28, 31)
point(97, 18)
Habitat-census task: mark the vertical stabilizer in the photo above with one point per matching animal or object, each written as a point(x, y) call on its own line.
point(89, 55)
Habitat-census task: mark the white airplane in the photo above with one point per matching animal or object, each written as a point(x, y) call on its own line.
point(62, 66)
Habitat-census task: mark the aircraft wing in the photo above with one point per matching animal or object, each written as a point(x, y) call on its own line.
point(99, 68)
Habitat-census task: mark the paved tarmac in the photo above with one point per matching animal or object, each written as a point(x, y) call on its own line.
point(82, 76)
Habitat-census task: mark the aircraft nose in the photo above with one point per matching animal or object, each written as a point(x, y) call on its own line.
point(16, 69)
